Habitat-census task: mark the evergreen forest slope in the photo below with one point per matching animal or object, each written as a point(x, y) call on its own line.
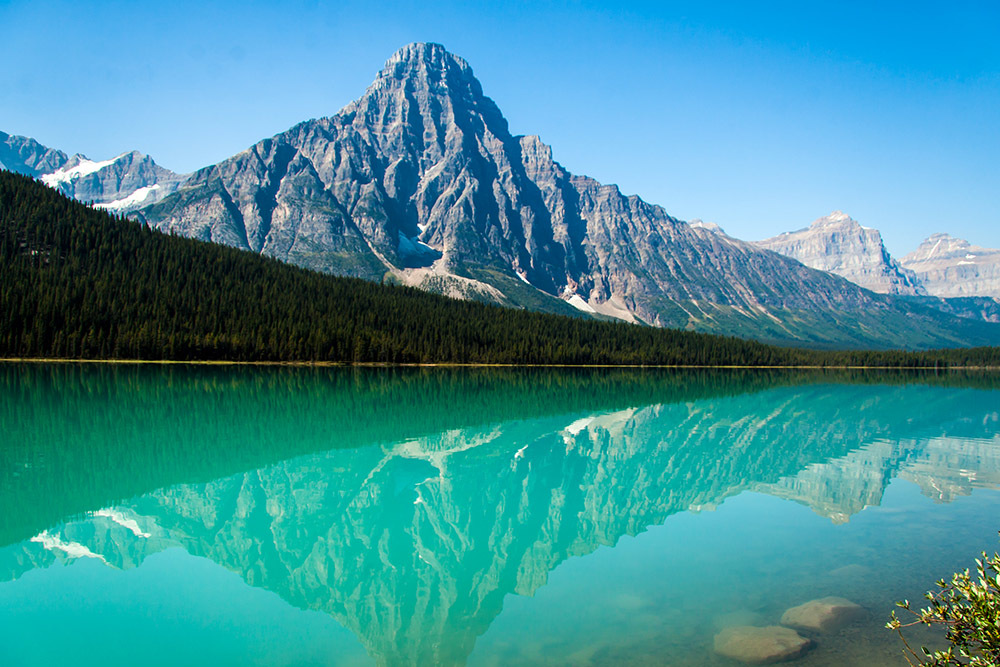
point(81, 283)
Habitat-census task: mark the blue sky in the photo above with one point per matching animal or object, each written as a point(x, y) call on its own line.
point(758, 116)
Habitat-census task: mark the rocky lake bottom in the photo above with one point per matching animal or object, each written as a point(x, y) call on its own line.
point(485, 517)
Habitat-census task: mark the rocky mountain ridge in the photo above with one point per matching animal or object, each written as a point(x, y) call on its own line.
point(952, 267)
point(420, 181)
point(839, 244)
point(945, 273)
point(26, 156)
point(121, 184)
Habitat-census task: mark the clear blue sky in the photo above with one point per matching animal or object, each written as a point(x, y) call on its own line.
point(758, 116)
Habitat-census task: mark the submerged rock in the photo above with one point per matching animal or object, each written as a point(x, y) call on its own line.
point(823, 615)
point(761, 646)
point(736, 618)
point(852, 571)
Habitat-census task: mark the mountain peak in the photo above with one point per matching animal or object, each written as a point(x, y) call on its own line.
point(953, 267)
point(429, 53)
point(839, 244)
point(421, 179)
point(423, 69)
point(424, 57)
point(938, 246)
point(837, 217)
point(698, 223)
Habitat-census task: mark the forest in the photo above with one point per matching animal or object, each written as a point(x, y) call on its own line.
point(80, 283)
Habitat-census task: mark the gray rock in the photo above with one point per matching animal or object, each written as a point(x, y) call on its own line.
point(951, 267)
point(761, 646)
point(823, 615)
point(736, 618)
point(839, 244)
point(24, 155)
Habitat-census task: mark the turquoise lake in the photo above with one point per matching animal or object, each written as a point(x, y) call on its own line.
point(194, 515)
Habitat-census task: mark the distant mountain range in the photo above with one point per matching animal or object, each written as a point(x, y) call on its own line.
point(121, 184)
point(942, 266)
point(948, 273)
point(950, 267)
point(839, 244)
point(420, 182)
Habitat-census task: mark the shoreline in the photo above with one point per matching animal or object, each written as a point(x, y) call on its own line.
point(387, 364)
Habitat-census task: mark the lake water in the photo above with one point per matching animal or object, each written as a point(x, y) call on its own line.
point(295, 516)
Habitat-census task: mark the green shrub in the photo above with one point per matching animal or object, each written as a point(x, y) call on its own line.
point(969, 609)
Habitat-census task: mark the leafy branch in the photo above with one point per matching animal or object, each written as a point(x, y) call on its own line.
point(968, 607)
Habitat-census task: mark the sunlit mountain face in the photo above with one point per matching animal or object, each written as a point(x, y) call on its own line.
point(484, 517)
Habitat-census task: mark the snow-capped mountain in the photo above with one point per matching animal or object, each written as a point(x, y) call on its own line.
point(121, 184)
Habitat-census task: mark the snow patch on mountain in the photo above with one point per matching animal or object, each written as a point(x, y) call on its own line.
point(131, 201)
point(82, 168)
point(117, 517)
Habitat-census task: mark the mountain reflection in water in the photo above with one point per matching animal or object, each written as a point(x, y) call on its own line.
point(408, 504)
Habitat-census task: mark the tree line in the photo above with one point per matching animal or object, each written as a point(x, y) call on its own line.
point(80, 283)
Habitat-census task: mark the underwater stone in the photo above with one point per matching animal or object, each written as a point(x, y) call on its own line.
point(761, 646)
point(823, 615)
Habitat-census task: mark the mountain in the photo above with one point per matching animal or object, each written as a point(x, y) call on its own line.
point(26, 156)
point(839, 244)
point(946, 274)
point(421, 182)
point(76, 282)
point(951, 267)
point(698, 223)
point(121, 184)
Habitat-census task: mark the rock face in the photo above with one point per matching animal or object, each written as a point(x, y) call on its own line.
point(121, 184)
point(420, 181)
point(761, 646)
point(824, 615)
point(26, 156)
point(951, 267)
point(839, 244)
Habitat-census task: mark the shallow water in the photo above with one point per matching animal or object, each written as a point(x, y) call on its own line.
point(192, 515)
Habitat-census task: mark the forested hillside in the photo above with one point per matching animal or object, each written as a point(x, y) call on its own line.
point(80, 283)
